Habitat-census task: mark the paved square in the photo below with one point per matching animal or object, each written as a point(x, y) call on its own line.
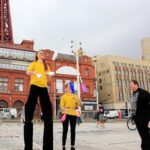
point(115, 136)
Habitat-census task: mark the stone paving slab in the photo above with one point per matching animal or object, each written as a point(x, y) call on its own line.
point(115, 136)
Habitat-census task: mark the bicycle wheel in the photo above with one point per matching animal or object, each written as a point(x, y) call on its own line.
point(131, 124)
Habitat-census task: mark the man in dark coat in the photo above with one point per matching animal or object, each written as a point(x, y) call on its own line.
point(140, 106)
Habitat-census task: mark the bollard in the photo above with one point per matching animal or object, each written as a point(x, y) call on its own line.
point(119, 115)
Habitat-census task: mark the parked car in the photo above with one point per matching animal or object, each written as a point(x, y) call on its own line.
point(8, 113)
point(5, 113)
point(111, 114)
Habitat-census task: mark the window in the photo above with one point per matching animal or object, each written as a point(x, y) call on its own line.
point(100, 80)
point(87, 89)
point(48, 87)
point(30, 55)
point(102, 65)
point(59, 86)
point(76, 86)
point(4, 52)
point(86, 73)
point(67, 81)
point(18, 86)
point(3, 84)
point(12, 66)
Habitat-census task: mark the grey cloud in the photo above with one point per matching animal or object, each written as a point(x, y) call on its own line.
point(104, 27)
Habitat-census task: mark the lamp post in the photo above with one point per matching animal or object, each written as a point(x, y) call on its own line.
point(95, 66)
point(78, 74)
point(78, 53)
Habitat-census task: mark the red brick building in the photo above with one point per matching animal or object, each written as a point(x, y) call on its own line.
point(14, 83)
point(14, 59)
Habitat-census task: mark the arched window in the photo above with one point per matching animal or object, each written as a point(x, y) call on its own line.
point(86, 72)
point(3, 104)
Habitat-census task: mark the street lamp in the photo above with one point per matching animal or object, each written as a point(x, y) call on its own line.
point(95, 66)
point(78, 53)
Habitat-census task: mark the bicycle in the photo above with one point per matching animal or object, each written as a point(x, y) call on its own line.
point(131, 123)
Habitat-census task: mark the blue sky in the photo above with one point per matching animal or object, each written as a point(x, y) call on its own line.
point(103, 26)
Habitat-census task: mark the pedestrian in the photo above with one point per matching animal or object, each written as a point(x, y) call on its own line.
point(38, 89)
point(78, 111)
point(140, 106)
point(69, 103)
point(100, 115)
point(22, 117)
